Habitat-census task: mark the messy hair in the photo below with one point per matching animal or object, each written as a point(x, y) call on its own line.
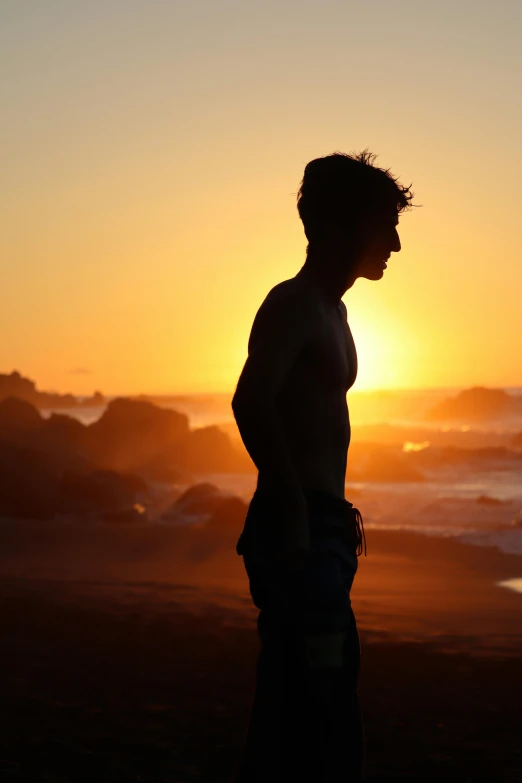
point(341, 187)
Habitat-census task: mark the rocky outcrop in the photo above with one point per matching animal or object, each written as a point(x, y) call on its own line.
point(32, 486)
point(132, 433)
point(210, 450)
point(212, 520)
point(489, 457)
point(66, 431)
point(60, 439)
point(477, 404)
point(206, 505)
point(28, 485)
point(79, 469)
point(196, 505)
point(18, 416)
point(101, 491)
point(139, 436)
point(15, 385)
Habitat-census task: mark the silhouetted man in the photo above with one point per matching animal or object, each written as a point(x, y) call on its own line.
point(301, 537)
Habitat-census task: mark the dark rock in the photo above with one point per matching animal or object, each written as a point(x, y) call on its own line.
point(55, 400)
point(437, 457)
point(60, 439)
point(131, 516)
point(28, 485)
point(15, 385)
point(66, 431)
point(198, 504)
point(485, 500)
point(96, 400)
point(99, 491)
point(132, 433)
point(209, 450)
point(477, 404)
point(209, 509)
point(199, 501)
point(161, 470)
point(17, 414)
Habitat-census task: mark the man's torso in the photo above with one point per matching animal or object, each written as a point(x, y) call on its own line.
point(312, 403)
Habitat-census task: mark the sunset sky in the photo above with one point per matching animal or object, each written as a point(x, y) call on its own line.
point(152, 151)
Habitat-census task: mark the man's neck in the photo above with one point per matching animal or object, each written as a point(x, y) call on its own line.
point(322, 273)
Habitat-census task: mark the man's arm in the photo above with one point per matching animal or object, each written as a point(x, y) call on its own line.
point(283, 326)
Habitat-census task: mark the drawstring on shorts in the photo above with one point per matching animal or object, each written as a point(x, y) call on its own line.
point(361, 536)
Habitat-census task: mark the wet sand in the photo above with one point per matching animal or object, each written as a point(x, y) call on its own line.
point(437, 589)
point(139, 666)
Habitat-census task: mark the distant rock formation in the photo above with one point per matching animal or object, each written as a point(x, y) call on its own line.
point(196, 505)
point(141, 437)
point(15, 385)
point(210, 450)
point(436, 457)
point(30, 488)
point(65, 431)
point(487, 500)
point(60, 440)
point(99, 491)
point(210, 516)
point(477, 404)
point(131, 434)
point(28, 485)
point(18, 415)
point(83, 469)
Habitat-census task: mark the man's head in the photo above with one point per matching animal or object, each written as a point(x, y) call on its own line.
point(350, 210)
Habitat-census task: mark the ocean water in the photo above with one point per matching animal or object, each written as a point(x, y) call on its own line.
point(445, 509)
point(86, 415)
point(479, 505)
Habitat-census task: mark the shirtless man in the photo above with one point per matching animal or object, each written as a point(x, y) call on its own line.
point(290, 407)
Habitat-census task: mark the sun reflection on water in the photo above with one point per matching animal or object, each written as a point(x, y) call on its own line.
point(512, 584)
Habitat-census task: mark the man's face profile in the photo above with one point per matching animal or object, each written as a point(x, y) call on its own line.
point(377, 239)
point(383, 239)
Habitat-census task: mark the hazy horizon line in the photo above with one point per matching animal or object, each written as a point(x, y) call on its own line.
point(352, 391)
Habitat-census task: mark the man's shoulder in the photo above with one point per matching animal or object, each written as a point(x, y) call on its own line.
point(287, 307)
point(291, 293)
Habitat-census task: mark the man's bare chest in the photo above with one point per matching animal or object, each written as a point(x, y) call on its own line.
point(330, 358)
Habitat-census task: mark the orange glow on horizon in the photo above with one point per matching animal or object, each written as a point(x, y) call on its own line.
point(146, 216)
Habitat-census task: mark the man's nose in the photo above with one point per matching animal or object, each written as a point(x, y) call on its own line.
point(396, 243)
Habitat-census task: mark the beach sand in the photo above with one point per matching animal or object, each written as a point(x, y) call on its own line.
point(137, 665)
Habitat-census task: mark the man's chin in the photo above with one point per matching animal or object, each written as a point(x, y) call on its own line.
point(373, 274)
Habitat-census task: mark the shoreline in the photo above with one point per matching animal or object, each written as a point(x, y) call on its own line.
point(409, 587)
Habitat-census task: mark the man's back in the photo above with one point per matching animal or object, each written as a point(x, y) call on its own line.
point(311, 401)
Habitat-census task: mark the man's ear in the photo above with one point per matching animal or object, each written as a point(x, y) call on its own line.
point(363, 231)
point(355, 236)
point(334, 234)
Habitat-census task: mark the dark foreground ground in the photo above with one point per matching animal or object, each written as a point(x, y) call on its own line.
point(152, 682)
